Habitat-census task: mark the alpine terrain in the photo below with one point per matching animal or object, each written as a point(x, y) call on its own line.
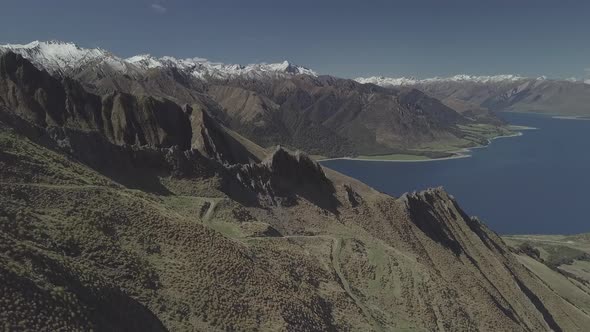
point(150, 194)
point(279, 103)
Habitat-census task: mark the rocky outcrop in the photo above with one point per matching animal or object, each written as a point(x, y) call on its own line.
point(122, 118)
point(215, 141)
point(283, 177)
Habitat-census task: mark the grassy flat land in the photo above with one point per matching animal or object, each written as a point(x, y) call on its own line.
point(485, 130)
point(475, 135)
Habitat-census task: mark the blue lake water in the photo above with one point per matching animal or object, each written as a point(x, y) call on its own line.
point(538, 183)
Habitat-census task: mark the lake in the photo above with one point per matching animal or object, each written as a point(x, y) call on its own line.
point(537, 183)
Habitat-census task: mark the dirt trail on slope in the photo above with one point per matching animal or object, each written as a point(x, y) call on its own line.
point(335, 249)
point(212, 205)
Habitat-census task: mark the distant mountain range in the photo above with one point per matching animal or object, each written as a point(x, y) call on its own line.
point(277, 103)
point(501, 93)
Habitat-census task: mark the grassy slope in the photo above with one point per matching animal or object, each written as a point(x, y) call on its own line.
point(194, 259)
point(78, 237)
point(474, 135)
point(563, 263)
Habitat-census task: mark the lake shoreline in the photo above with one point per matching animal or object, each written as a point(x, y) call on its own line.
point(557, 116)
point(456, 154)
point(572, 117)
point(549, 165)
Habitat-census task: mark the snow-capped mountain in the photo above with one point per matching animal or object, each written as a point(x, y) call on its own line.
point(202, 68)
point(61, 58)
point(403, 81)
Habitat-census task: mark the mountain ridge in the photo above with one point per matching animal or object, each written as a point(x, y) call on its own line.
point(278, 103)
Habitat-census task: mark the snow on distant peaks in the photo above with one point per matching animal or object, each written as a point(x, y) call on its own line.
point(61, 58)
point(387, 81)
point(202, 68)
point(145, 61)
point(390, 81)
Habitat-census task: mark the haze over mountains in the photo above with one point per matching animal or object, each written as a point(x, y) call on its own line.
point(501, 93)
point(134, 199)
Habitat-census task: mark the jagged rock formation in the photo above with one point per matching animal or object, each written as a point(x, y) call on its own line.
point(283, 177)
point(120, 117)
point(216, 141)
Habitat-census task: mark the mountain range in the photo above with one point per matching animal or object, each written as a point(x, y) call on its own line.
point(277, 103)
point(129, 202)
point(501, 93)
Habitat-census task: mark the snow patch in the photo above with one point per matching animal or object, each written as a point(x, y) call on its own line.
point(391, 81)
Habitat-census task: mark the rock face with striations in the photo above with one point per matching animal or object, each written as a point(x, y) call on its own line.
point(121, 118)
point(215, 140)
point(283, 176)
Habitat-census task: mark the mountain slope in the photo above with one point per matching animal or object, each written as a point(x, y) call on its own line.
point(275, 103)
point(335, 117)
point(200, 241)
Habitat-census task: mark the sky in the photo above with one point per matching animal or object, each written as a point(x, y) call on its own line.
point(418, 38)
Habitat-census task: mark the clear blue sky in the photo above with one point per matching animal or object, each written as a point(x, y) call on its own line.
point(419, 38)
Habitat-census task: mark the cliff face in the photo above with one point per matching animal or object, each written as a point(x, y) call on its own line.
point(475, 257)
point(121, 118)
point(283, 177)
point(216, 141)
point(218, 238)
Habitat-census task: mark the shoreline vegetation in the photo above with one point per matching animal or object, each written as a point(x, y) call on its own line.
point(572, 117)
point(553, 115)
point(450, 151)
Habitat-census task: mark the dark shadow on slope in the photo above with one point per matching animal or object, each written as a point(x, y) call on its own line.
point(538, 303)
point(216, 142)
point(425, 216)
point(69, 302)
point(132, 166)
